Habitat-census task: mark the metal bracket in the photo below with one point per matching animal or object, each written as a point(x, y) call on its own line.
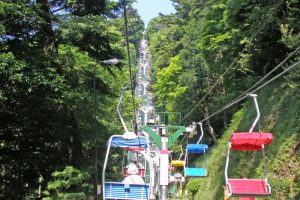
point(202, 133)
point(171, 138)
point(118, 111)
point(254, 96)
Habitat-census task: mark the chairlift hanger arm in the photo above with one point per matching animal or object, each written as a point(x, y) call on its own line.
point(181, 154)
point(254, 96)
point(202, 133)
point(118, 109)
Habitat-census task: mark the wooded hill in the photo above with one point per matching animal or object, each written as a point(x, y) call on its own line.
point(49, 54)
point(279, 116)
point(207, 54)
point(204, 55)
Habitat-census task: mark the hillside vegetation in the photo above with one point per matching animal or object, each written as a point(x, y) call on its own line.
point(279, 106)
point(52, 73)
point(51, 67)
point(207, 54)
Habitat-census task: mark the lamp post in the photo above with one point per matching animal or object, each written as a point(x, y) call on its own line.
point(106, 62)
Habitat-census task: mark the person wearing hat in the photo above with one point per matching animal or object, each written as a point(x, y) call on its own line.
point(133, 178)
point(134, 159)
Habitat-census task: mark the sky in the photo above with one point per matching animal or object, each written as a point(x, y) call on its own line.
point(148, 9)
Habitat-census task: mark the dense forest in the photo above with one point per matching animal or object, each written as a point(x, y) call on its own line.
point(51, 53)
point(209, 54)
point(227, 45)
point(204, 55)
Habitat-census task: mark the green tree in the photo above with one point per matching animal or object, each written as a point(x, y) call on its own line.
point(167, 87)
point(70, 183)
point(47, 63)
point(135, 27)
point(164, 34)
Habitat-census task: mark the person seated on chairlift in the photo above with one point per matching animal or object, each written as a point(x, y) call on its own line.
point(178, 176)
point(133, 178)
point(134, 160)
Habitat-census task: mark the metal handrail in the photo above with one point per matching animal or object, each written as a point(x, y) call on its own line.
point(118, 111)
point(104, 166)
point(202, 133)
point(227, 162)
point(181, 153)
point(254, 96)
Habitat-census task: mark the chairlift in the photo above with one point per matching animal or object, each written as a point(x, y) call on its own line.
point(133, 186)
point(151, 121)
point(118, 190)
point(179, 162)
point(176, 178)
point(195, 149)
point(249, 141)
point(175, 167)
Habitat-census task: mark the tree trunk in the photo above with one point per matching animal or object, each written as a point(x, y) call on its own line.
point(223, 93)
point(74, 147)
point(49, 44)
point(210, 128)
point(225, 120)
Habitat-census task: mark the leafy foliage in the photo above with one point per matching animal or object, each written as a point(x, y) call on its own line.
point(167, 86)
point(234, 38)
point(70, 183)
point(51, 51)
point(164, 34)
point(224, 47)
point(282, 163)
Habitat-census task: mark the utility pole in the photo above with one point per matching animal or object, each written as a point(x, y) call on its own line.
point(95, 140)
point(164, 167)
point(106, 62)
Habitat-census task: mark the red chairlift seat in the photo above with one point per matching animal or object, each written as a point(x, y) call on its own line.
point(248, 187)
point(250, 141)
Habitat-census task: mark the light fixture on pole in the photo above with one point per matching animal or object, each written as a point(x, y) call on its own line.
point(112, 61)
point(106, 62)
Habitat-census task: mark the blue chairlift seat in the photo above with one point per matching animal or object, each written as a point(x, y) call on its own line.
point(197, 148)
point(121, 191)
point(195, 172)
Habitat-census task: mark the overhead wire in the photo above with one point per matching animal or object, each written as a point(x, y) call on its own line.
point(246, 93)
point(275, 77)
point(269, 73)
point(251, 92)
point(231, 65)
point(129, 64)
point(241, 96)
